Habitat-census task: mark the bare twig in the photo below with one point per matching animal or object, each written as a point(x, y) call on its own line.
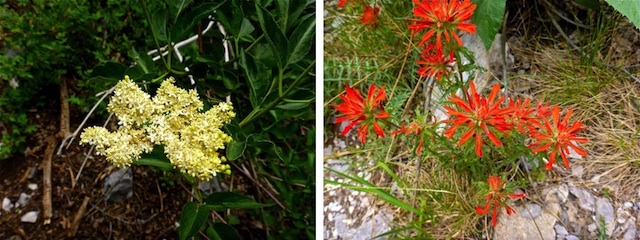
point(248, 174)
point(76, 220)
point(46, 179)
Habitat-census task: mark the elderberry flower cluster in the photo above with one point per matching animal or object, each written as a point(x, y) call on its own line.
point(172, 118)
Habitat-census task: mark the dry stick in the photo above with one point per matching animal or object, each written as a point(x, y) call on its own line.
point(404, 62)
point(64, 110)
point(76, 220)
point(246, 173)
point(46, 179)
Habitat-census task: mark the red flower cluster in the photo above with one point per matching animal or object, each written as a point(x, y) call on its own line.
point(413, 128)
point(485, 115)
point(370, 14)
point(496, 199)
point(365, 113)
point(440, 18)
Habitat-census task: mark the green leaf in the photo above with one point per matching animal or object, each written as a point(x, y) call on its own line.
point(186, 22)
point(229, 200)
point(109, 70)
point(221, 231)
point(255, 76)
point(628, 8)
point(275, 35)
point(293, 105)
point(488, 19)
point(163, 164)
point(235, 149)
point(143, 60)
point(301, 40)
point(246, 28)
point(283, 12)
point(176, 7)
point(231, 16)
point(159, 24)
point(193, 218)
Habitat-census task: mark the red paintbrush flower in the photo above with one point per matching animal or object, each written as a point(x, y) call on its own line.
point(433, 62)
point(369, 17)
point(442, 17)
point(496, 199)
point(413, 128)
point(362, 112)
point(559, 136)
point(478, 114)
point(341, 3)
point(523, 117)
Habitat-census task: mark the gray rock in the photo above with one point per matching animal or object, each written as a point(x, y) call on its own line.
point(604, 209)
point(30, 217)
point(531, 211)
point(119, 185)
point(33, 186)
point(627, 205)
point(6, 204)
point(560, 230)
point(586, 200)
point(577, 171)
point(630, 233)
point(23, 200)
point(518, 227)
point(571, 237)
point(592, 228)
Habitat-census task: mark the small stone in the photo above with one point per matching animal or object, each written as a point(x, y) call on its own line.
point(621, 220)
point(119, 185)
point(6, 204)
point(33, 186)
point(30, 217)
point(23, 200)
point(604, 209)
point(532, 211)
point(592, 227)
point(585, 199)
point(630, 233)
point(560, 230)
point(577, 171)
point(627, 205)
point(571, 237)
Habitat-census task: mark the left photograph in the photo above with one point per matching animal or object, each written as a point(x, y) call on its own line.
point(169, 119)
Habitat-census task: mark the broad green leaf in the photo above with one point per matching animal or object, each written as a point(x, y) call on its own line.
point(176, 7)
point(301, 40)
point(293, 105)
point(231, 17)
point(246, 28)
point(274, 34)
point(186, 22)
point(143, 60)
point(159, 24)
point(229, 200)
point(109, 70)
point(193, 218)
point(628, 8)
point(295, 9)
point(163, 164)
point(235, 149)
point(221, 231)
point(488, 19)
point(255, 76)
point(283, 12)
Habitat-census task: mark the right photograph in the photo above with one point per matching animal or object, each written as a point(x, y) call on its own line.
point(459, 119)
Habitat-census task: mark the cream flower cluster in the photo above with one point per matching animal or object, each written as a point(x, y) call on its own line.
point(172, 118)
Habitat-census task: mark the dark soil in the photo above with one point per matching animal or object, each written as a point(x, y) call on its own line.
point(151, 213)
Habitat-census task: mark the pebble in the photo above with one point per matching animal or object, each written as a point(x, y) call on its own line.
point(585, 199)
point(33, 186)
point(592, 227)
point(560, 230)
point(571, 237)
point(627, 205)
point(577, 171)
point(532, 211)
point(6, 204)
point(605, 209)
point(30, 217)
point(23, 200)
point(630, 233)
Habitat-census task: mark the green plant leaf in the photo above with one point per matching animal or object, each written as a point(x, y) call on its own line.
point(246, 28)
point(176, 7)
point(143, 60)
point(235, 149)
point(221, 231)
point(231, 16)
point(229, 200)
point(302, 39)
point(159, 24)
point(275, 35)
point(255, 76)
point(193, 218)
point(628, 8)
point(488, 19)
point(109, 70)
point(163, 163)
point(187, 21)
point(283, 12)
